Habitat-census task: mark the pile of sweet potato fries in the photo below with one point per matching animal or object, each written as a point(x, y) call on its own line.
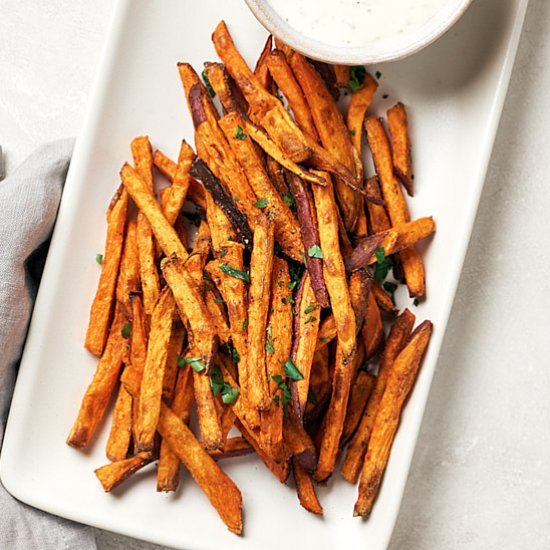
point(273, 321)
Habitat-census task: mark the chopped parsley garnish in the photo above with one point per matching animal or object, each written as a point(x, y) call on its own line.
point(311, 308)
point(323, 339)
point(261, 203)
point(223, 252)
point(245, 324)
point(99, 258)
point(416, 301)
point(312, 397)
point(285, 392)
point(310, 320)
point(315, 251)
point(194, 362)
point(292, 371)
point(288, 299)
point(219, 301)
point(211, 91)
point(378, 75)
point(216, 379)
point(229, 394)
point(233, 353)
point(269, 341)
point(236, 273)
point(390, 288)
point(382, 265)
point(126, 330)
point(357, 76)
point(352, 132)
point(239, 134)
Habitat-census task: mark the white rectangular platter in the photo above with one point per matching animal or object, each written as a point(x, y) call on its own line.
point(455, 92)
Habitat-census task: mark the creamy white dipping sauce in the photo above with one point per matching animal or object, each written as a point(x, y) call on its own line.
point(355, 22)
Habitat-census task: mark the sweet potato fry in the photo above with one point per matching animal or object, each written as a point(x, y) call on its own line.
point(383, 299)
point(223, 494)
point(150, 394)
point(334, 270)
point(327, 332)
point(319, 384)
point(221, 229)
point(261, 266)
point(373, 329)
point(399, 384)
point(112, 475)
point(143, 162)
point(131, 377)
point(209, 421)
point(164, 233)
point(399, 334)
point(192, 307)
point(310, 236)
point(299, 443)
point(261, 71)
point(121, 427)
point(98, 393)
point(398, 211)
point(129, 280)
point(102, 306)
point(332, 131)
point(278, 347)
point(168, 473)
point(393, 240)
point(285, 80)
point(233, 446)
point(341, 75)
point(230, 96)
point(359, 288)
point(167, 166)
point(177, 192)
point(287, 230)
point(277, 174)
point(305, 489)
point(398, 126)
point(358, 105)
point(326, 72)
point(360, 392)
point(334, 418)
point(224, 201)
point(306, 328)
point(171, 367)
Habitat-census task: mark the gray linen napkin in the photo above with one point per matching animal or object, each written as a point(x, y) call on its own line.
point(29, 199)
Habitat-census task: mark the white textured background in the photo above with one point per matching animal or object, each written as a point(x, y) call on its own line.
point(480, 478)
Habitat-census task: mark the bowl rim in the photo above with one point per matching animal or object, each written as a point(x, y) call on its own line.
point(359, 55)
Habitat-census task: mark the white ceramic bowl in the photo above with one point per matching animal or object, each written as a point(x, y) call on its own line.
point(391, 49)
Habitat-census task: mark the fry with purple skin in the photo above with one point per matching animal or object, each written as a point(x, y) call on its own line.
point(399, 334)
point(261, 71)
point(104, 300)
point(400, 382)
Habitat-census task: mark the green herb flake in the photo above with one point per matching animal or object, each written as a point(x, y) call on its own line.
point(310, 320)
point(291, 284)
point(229, 394)
point(324, 340)
point(234, 354)
point(289, 201)
point(291, 370)
point(211, 91)
point(311, 308)
point(312, 397)
point(223, 252)
point(352, 132)
point(216, 380)
point(194, 362)
point(126, 331)
point(261, 203)
point(416, 301)
point(315, 251)
point(245, 324)
point(288, 299)
point(236, 273)
point(276, 399)
point(99, 258)
point(390, 288)
point(378, 75)
point(269, 341)
point(239, 134)
point(357, 76)
point(219, 301)
point(382, 265)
